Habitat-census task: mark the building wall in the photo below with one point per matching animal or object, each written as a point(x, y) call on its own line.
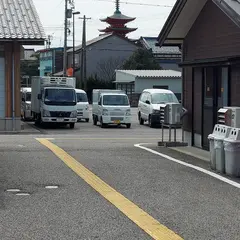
point(123, 77)
point(187, 98)
point(212, 35)
point(174, 85)
point(10, 106)
point(105, 56)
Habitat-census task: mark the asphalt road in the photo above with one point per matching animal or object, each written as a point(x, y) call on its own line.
point(189, 203)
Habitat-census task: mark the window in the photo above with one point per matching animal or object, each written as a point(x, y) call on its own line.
point(115, 100)
point(143, 97)
point(82, 97)
point(158, 98)
point(161, 87)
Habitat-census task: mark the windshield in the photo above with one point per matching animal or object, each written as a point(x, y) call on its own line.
point(115, 100)
point(28, 97)
point(82, 97)
point(158, 98)
point(54, 96)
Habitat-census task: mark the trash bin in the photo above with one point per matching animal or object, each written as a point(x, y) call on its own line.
point(219, 148)
point(232, 153)
point(211, 138)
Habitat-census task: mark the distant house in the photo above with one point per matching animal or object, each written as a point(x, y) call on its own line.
point(104, 54)
point(50, 61)
point(209, 33)
point(27, 58)
point(28, 54)
point(167, 56)
point(20, 25)
point(133, 82)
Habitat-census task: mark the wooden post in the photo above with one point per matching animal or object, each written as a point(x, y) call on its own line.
point(17, 79)
point(8, 80)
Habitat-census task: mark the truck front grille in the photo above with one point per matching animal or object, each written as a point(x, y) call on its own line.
point(117, 113)
point(60, 114)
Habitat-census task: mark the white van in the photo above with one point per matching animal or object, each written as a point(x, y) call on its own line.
point(82, 105)
point(112, 107)
point(26, 113)
point(150, 102)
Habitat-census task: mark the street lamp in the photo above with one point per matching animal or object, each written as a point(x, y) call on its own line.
point(74, 13)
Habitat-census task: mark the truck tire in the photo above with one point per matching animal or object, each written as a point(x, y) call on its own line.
point(87, 119)
point(94, 120)
point(150, 123)
point(72, 125)
point(102, 125)
point(141, 121)
point(128, 125)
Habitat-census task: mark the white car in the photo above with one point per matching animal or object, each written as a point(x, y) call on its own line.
point(150, 102)
point(82, 105)
point(112, 107)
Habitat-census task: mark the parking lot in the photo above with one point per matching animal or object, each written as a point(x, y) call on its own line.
point(84, 129)
point(110, 183)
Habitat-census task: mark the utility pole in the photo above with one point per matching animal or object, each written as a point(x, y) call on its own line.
point(83, 56)
point(65, 40)
point(73, 60)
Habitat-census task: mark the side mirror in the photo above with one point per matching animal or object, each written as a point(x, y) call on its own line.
point(147, 102)
point(23, 99)
point(39, 96)
point(99, 103)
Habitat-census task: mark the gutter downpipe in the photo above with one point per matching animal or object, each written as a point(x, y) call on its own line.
point(13, 92)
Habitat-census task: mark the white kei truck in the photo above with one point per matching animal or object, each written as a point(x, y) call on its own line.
point(110, 107)
point(54, 100)
point(26, 113)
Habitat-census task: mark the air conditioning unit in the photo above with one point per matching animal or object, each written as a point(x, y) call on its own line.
point(225, 116)
point(170, 113)
point(235, 116)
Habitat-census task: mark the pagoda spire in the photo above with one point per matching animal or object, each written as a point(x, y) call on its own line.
point(117, 22)
point(117, 7)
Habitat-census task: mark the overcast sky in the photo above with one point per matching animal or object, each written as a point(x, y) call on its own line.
point(150, 17)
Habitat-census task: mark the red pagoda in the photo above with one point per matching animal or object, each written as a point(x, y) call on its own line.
point(117, 23)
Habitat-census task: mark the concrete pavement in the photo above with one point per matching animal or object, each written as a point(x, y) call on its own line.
point(189, 203)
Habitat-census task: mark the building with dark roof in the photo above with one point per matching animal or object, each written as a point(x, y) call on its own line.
point(208, 32)
point(104, 54)
point(167, 56)
point(19, 25)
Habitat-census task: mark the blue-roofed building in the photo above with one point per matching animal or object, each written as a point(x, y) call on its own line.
point(167, 56)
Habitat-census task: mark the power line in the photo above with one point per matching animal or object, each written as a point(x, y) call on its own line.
point(139, 4)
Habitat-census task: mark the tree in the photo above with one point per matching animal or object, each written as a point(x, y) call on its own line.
point(30, 67)
point(141, 60)
point(106, 69)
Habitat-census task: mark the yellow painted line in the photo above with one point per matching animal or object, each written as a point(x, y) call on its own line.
point(151, 226)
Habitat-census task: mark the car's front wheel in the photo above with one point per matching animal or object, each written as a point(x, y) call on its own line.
point(141, 121)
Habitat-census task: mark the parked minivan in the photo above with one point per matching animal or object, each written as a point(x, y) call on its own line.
point(82, 105)
point(26, 113)
point(150, 102)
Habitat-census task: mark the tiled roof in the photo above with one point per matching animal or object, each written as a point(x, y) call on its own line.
point(152, 73)
point(92, 41)
point(150, 43)
point(19, 20)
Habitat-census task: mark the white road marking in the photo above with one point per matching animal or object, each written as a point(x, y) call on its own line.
point(51, 187)
point(223, 179)
point(13, 190)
